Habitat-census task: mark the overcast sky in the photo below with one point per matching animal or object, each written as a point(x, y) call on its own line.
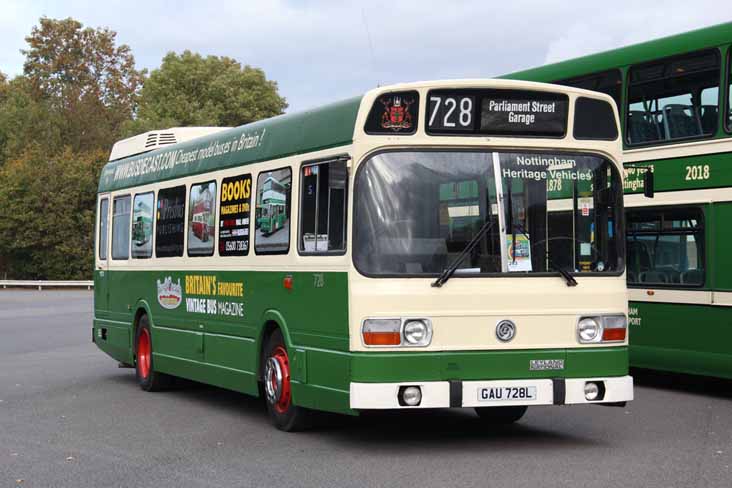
point(320, 51)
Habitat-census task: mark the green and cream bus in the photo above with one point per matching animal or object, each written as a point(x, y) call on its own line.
point(674, 98)
point(453, 244)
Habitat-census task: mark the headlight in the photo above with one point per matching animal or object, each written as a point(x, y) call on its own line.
point(589, 330)
point(417, 332)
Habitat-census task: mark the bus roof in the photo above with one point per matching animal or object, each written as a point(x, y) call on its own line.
point(637, 53)
point(328, 126)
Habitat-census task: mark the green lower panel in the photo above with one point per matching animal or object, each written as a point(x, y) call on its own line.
point(485, 365)
point(114, 339)
point(682, 338)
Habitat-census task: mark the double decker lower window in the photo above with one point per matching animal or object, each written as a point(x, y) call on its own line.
point(666, 247)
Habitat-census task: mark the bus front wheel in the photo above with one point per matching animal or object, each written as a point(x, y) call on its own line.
point(147, 377)
point(500, 415)
point(277, 387)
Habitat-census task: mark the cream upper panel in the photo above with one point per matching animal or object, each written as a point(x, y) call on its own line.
point(365, 143)
point(291, 261)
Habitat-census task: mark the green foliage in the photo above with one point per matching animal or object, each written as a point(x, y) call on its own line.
point(190, 90)
point(25, 119)
point(47, 213)
point(80, 92)
point(83, 77)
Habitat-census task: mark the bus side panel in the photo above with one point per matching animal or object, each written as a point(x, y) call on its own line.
point(316, 314)
point(210, 328)
point(682, 338)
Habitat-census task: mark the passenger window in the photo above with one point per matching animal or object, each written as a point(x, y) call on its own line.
point(666, 247)
point(728, 118)
point(234, 214)
point(142, 226)
point(673, 99)
point(323, 207)
point(201, 217)
point(609, 83)
point(121, 228)
point(103, 220)
point(272, 224)
point(170, 222)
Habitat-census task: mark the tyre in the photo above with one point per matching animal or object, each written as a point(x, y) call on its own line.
point(277, 387)
point(147, 377)
point(500, 415)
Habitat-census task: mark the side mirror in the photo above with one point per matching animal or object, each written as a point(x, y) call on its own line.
point(648, 183)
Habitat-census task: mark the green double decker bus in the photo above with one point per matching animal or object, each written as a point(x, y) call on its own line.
point(674, 96)
point(271, 210)
point(438, 244)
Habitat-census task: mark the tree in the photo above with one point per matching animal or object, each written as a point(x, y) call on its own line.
point(47, 213)
point(190, 90)
point(25, 119)
point(83, 77)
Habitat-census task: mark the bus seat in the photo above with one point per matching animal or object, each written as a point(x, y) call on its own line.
point(709, 118)
point(681, 121)
point(640, 127)
point(653, 277)
point(692, 277)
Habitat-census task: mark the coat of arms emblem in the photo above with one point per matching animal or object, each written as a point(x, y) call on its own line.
point(396, 114)
point(169, 294)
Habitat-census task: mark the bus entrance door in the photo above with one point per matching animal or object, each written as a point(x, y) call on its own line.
point(101, 269)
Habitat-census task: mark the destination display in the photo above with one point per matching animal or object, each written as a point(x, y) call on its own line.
point(497, 112)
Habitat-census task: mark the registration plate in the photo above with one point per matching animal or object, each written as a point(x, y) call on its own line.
point(507, 393)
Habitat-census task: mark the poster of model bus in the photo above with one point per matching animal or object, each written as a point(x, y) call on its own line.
point(142, 226)
point(201, 217)
point(272, 211)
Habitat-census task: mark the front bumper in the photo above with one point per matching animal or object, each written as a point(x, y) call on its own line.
point(444, 394)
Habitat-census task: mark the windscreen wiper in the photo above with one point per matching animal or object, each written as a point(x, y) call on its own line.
point(565, 274)
point(450, 270)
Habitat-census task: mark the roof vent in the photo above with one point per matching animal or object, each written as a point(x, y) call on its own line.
point(154, 139)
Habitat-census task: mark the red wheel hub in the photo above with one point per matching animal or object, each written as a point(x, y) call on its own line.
point(277, 380)
point(143, 353)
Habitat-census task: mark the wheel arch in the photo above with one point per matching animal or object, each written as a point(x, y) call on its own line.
point(141, 308)
point(271, 320)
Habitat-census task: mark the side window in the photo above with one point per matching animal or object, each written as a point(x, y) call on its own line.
point(728, 118)
point(272, 220)
point(121, 228)
point(142, 225)
point(201, 217)
point(234, 214)
point(608, 82)
point(323, 207)
point(170, 222)
point(666, 247)
point(673, 99)
point(103, 221)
